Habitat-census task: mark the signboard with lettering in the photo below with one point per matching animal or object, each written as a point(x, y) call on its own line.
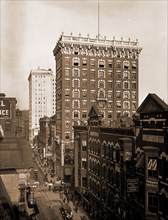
point(4, 108)
point(132, 185)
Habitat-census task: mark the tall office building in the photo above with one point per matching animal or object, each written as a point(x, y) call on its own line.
point(41, 98)
point(92, 71)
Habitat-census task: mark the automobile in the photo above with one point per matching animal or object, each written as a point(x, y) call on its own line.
point(66, 212)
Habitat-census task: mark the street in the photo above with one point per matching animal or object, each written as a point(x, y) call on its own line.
point(49, 202)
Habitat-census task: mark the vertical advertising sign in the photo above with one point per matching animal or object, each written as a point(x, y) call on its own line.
point(4, 109)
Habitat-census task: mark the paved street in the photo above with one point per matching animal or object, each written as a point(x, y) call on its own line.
point(49, 202)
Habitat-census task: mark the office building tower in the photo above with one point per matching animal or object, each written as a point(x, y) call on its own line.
point(92, 71)
point(41, 98)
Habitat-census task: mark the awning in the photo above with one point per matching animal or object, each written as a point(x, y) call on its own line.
point(140, 162)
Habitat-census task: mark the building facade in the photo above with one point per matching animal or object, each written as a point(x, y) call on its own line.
point(126, 164)
point(41, 98)
point(22, 124)
point(109, 69)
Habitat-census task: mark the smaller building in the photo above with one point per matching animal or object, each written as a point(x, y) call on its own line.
point(127, 163)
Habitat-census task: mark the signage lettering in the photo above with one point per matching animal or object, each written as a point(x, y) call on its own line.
point(153, 138)
point(4, 112)
point(4, 108)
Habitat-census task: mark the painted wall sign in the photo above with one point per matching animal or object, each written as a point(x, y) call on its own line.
point(4, 108)
point(153, 138)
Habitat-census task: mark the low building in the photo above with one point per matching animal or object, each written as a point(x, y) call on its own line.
point(127, 163)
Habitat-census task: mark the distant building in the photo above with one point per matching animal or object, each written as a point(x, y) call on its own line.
point(92, 71)
point(22, 124)
point(15, 162)
point(41, 98)
point(7, 115)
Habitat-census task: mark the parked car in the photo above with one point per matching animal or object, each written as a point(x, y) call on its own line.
point(66, 212)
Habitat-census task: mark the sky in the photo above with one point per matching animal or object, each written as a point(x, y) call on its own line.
point(30, 29)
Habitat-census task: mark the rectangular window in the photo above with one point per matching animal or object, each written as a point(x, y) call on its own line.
point(110, 64)
point(67, 83)
point(84, 84)
point(101, 74)
point(133, 85)
point(67, 72)
point(67, 93)
point(76, 61)
point(92, 62)
point(84, 114)
point(92, 73)
point(152, 202)
point(84, 94)
point(110, 85)
point(101, 63)
point(84, 62)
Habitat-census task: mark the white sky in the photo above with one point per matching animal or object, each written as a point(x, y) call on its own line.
point(30, 30)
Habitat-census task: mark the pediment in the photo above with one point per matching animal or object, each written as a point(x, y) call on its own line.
point(94, 112)
point(152, 103)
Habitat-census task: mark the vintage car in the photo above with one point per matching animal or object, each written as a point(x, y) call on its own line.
point(66, 212)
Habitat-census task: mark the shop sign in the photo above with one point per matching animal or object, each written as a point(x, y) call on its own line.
point(132, 185)
point(4, 108)
point(153, 138)
point(152, 184)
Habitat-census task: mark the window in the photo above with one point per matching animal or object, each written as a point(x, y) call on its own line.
point(101, 74)
point(126, 95)
point(92, 85)
point(110, 104)
point(133, 76)
point(101, 63)
point(67, 61)
point(84, 163)
point(118, 104)
point(110, 94)
point(76, 51)
point(133, 85)
point(134, 66)
point(76, 61)
point(152, 202)
point(110, 74)
point(67, 115)
point(118, 94)
point(118, 114)
point(84, 93)
point(67, 103)
point(92, 73)
point(67, 135)
point(67, 93)
point(92, 95)
point(67, 72)
point(75, 93)
point(101, 84)
point(110, 64)
point(75, 82)
point(84, 83)
point(84, 72)
point(7, 125)
point(118, 66)
point(76, 114)
point(67, 124)
point(84, 62)
point(110, 84)
point(92, 62)
point(110, 114)
point(126, 64)
point(126, 85)
point(84, 103)
point(76, 104)
point(133, 105)
point(126, 75)
point(126, 105)
point(75, 72)
point(133, 95)
point(67, 83)
point(84, 114)
point(118, 85)
point(118, 75)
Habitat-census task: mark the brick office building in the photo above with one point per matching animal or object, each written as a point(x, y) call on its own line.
point(109, 69)
point(127, 164)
